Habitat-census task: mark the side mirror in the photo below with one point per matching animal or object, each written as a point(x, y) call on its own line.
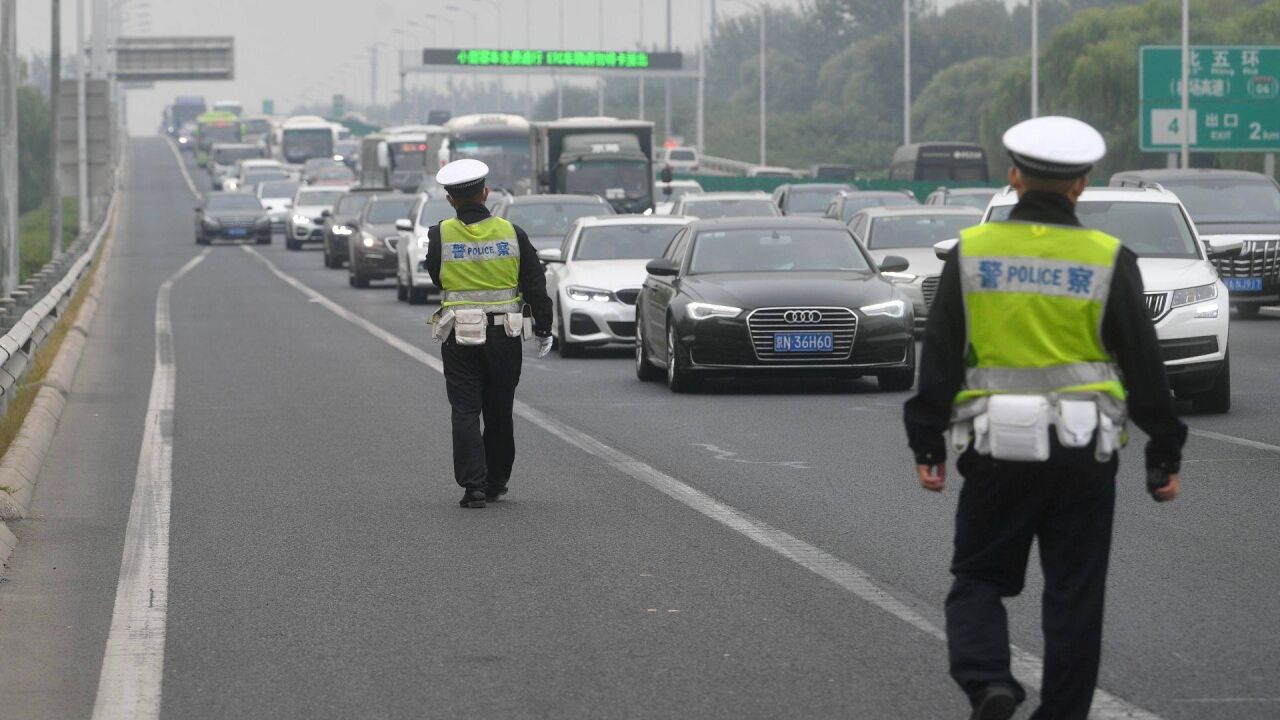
point(1222, 245)
point(667, 175)
point(326, 213)
point(942, 249)
point(550, 255)
point(662, 267)
point(404, 224)
point(894, 264)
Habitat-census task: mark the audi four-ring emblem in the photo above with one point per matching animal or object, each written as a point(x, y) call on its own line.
point(802, 317)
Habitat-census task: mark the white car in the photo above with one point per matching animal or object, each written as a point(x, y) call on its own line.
point(594, 277)
point(248, 167)
point(413, 282)
point(277, 197)
point(664, 200)
point(305, 223)
point(1187, 301)
point(680, 159)
point(716, 205)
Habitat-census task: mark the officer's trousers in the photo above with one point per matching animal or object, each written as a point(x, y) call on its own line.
point(481, 383)
point(1067, 505)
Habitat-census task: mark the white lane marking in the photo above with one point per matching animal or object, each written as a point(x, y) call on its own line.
point(182, 165)
point(1026, 666)
point(133, 662)
point(730, 456)
point(1243, 442)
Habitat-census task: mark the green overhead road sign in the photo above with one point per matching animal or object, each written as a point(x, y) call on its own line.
point(552, 59)
point(1234, 99)
point(268, 107)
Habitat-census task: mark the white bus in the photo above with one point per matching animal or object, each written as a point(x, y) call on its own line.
point(303, 137)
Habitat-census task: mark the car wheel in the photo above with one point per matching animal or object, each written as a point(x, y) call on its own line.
point(900, 380)
point(680, 378)
point(202, 240)
point(567, 349)
point(645, 370)
point(1248, 310)
point(264, 240)
point(1217, 399)
point(358, 280)
point(417, 295)
point(292, 244)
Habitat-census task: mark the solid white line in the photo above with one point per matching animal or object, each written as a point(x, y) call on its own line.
point(132, 665)
point(1026, 666)
point(1244, 442)
point(182, 165)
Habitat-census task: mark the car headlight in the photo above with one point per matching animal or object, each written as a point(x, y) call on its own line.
point(301, 219)
point(182, 141)
point(211, 222)
point(891, 308)
point(1188, 296)
point(1208, 311)
point(702, 311)
point(368, 240)
point(424, 242)
point(586, 294)
point(341, 230)
point(899, 277)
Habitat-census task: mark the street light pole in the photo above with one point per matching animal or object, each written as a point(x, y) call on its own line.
point(1184, 130)
point(55, 93)
point(82, 122)
point(666, 132)
point(559, 82)
point(1035, 58)
point(906, 72)
point(8, 145)
point(600, 81)
point(640, 4)
point(764, 74)
point(702, 78)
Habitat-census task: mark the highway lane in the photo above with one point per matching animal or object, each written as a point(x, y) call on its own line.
point(320, 566)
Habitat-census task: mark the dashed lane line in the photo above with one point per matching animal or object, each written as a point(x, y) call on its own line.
point(133, 662)
point(1027, 667)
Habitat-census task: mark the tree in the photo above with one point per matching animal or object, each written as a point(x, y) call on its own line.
point(33, 148)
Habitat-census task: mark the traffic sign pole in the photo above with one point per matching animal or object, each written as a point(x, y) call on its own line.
point(1185, 133)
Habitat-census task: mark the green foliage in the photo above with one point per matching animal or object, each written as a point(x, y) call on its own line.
point(33, 235)
point(33, 148)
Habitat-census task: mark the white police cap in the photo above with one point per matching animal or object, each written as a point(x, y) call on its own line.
point(1054, 147)
point(462, 176)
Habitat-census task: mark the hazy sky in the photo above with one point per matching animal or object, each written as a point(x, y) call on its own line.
point(294, 50)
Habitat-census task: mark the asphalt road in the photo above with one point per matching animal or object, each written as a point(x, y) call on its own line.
point(319, 566)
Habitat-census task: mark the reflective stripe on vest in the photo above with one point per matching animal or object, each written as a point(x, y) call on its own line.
point(480, 265)
point(1034, 299)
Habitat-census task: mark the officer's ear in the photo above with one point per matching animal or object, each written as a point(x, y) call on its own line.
point(485, 197)
point(452, 203)
point(1016, 182)
point(1078, 187)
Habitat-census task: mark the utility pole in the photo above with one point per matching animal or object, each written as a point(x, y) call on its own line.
point(559, 80)
point(600, 85)
point(702, 79)
point(55, 92)
point(906, 72)
point(82, 122)
point(666, 133)
point(1035, 58)
point(1184, 127)
point(642, 78)
point(99, 39)
point(8, 145)
point(764, 103)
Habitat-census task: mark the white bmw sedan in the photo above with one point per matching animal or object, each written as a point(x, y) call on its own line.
point(594, 277)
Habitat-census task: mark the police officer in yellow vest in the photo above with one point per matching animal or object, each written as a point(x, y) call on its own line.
point(1038, 349)
point(487, 272)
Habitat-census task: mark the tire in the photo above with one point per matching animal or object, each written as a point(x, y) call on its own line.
point(1248, 310)
point(418, 296)
point(645, 370)
point(567, 349)
point(292, 244)
point(263, 241)
point(202, 240)
point(358, 281)
point(1217, 399)
point(679, 378)
point(900, 380)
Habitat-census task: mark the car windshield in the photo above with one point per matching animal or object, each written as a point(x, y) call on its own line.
point(227, 201)
point(385, 210)
point(256, 177)
point(789, 250)
point(682, 155)
point(257, 126)
point(810, 200)
point(624, 242)
point(318, 198)
point(278, 189)
point(855, 204)
point(1224, 200)
point(508, 158)
point(916, 231)
point(551, 218)
point(611, 180)
point(352, 204)
point(969, 199)
point(1152, 230)
point(342, 172)
point(316, 164)
point(435, 211)
point(727, 208)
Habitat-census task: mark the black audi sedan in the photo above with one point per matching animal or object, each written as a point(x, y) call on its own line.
point(372, 249)
point(232, 216)
point(771, 296)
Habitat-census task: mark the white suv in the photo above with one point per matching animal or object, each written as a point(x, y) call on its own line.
point(1187, 301)
point(413, 282)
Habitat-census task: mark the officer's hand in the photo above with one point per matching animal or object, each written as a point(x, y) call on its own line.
point(932, 477)
point(1169, 491)
point(544, 346)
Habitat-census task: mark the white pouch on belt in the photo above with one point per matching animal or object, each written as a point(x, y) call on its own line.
point(470, 326)
point(1077, 422)
point(1018, 427)
point(441, 325)
point(513, 323)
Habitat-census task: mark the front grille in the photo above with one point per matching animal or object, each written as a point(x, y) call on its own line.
point(840, 322)
point(237, 222)
point(929, 286)
point(628, 296)
point(622, 329)
point(1184, 348)
point(1258, 259)
point(1157, 305)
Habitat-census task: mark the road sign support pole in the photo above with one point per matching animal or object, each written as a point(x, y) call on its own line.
point(82, 123)
point(8, 146)
point(1171, 161)
point(906, 72)
point(1035, 58)
point(1184, 128)
point(1269, 164)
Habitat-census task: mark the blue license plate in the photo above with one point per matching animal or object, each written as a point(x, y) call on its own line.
point(804, 342)
point(1243, 284)
point(237, 232)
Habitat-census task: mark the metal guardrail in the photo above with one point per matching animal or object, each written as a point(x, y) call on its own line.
point(29, 314)
point(707, 163)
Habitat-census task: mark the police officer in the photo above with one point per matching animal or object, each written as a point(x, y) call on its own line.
point(487, 270)
point(1037, 349)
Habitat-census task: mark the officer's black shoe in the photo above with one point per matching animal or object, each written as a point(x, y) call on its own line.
point(472, 499)
point(994, 702)
point(494, 493)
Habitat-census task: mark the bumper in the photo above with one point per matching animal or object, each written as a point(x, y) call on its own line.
point(1195, 348)
point(597, 323)
point(417, 276)
point(238, 234)
point(304, 233)
point(725, 345)
point(913, 292)
point(373, 263)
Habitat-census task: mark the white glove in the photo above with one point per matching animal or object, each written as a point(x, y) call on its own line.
point(544, 346)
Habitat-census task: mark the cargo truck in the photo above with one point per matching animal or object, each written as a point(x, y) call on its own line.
point(601, 156)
